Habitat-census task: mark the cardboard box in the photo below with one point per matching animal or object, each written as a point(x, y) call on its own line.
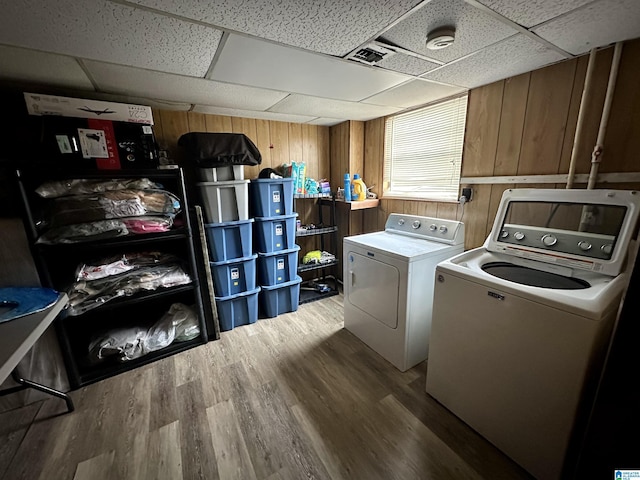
point(77, 107)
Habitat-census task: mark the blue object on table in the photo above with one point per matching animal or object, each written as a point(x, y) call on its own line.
point(22, 301)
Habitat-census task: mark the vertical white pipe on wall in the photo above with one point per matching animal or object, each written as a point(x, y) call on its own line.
point(586, 95)
point(604, 120)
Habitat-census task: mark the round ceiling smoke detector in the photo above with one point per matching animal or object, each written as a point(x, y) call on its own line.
point(440, 38)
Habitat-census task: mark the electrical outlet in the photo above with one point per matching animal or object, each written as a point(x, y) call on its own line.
point(466, 193)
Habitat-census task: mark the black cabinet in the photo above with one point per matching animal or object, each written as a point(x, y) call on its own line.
point(132, 308)
point(323, 283)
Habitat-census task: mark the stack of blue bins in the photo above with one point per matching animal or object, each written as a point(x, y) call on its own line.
point(271, 201)
point(233, 264)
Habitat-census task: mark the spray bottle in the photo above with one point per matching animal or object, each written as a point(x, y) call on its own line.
point(359, 189)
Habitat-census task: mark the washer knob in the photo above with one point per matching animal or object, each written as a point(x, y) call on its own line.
point(433, 227)
point(549, 240)
point(584, 245)
point(416, 224)
point(401, 221)
point(518, 236)
point(443, 229)
point(606, 248)
point(504, 234)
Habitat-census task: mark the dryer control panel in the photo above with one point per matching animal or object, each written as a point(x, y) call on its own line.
point(440, 230)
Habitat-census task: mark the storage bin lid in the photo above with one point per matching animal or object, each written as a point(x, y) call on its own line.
point(225, 183)
point(235, 260)
point(228, 224)
point(238, 295)
point(272, 180)
point(283, 285)
point(277, 217)
point(279, 252)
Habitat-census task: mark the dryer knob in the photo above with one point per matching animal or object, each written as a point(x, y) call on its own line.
point(443, 229)
point(416, 224)
point(549, 240)
point(401, 221)
point(433, 227)
point(584, 245)
point(518, 236)
point(606, 248)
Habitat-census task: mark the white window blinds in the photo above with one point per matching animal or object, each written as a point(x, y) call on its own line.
point(423, 151)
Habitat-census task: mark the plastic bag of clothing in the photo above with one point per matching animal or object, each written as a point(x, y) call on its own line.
point(210, 150)
point(179, 324)
point(111, 205)
point(79, 186)
point(84, 232)
point(124, 344)
point(185, 320)
point(87, 295)
point(117, 264)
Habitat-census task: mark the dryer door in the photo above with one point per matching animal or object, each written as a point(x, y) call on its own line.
point(373, 287)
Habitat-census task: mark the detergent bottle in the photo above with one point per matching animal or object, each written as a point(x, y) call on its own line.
point(359, 188)
point(347, 187)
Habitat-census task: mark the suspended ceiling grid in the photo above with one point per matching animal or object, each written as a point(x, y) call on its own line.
point(287, 60)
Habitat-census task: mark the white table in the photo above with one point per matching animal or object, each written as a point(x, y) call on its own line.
point(17, 337)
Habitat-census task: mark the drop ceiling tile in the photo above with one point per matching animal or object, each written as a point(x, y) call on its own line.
point(327, 122)
point(106, 31)
point(594, 25)
point(280, 117)
point(489, 65)
point(165, 86)
point(45, 68)
point(402, 63)
point(529, 13)
point(249, 61)
point(334, 27)
point(322, 107)
point(414, 93)
point(475, 29)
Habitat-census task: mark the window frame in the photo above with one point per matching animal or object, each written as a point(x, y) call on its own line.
point(426, 194)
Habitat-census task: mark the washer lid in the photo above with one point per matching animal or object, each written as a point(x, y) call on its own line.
point(397, 245)
point(580, 229)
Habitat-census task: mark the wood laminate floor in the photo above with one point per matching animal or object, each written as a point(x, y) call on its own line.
point(292, 397)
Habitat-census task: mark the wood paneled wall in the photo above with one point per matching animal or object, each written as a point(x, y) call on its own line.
point(525, 125)
point(278, 142)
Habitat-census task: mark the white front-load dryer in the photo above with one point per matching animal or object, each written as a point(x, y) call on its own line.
point(388, 284)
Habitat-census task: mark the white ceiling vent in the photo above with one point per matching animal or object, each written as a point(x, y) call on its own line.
point(371, 53)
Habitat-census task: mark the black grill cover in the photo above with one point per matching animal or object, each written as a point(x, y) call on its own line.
point(211, 150)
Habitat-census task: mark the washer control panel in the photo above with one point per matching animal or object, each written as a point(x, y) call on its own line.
point(586, 244)
point(434, 229)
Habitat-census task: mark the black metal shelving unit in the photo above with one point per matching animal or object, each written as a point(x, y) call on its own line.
point(309, 290)
point(57, 264)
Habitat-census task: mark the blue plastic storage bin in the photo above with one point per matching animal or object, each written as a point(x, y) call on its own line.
point(239, 309)
point(229, 240)
point(273, 234)
point(278, 267)
point(282, 298)
point(234, 276)
point(271, 197)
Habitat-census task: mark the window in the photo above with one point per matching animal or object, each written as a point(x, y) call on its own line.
point(423, 151)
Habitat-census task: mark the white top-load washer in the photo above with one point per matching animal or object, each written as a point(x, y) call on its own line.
point(388, 284)
point(521, 324)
